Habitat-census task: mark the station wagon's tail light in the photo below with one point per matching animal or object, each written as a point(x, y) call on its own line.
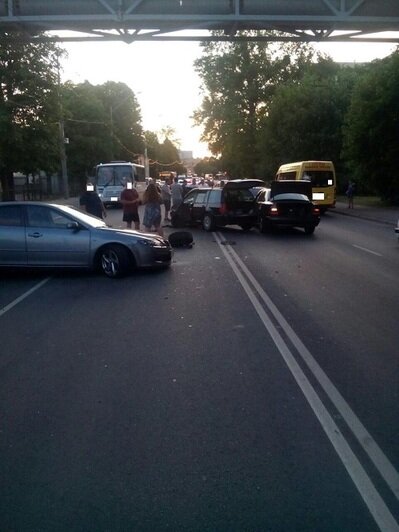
point(316, 210)
point(223, 208)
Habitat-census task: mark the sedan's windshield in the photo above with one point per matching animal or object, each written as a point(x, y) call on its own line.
point(79, 216)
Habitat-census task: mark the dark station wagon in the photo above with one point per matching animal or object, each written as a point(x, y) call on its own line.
point(234, 204)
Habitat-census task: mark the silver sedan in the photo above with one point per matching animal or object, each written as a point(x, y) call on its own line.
point(36, 234)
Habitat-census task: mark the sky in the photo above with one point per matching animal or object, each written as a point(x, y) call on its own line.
point(163, 78)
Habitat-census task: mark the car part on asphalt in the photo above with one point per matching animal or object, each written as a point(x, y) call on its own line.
point(181, 239)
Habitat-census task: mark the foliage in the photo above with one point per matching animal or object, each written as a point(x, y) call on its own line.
point(168, 158)
point(208, 165)
point(125, 120)
point(239, 82)
point(372, 129)
point(28, 108)
point(103, 123)
point(305, 117)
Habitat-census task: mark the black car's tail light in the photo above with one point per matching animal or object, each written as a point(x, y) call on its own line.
point(274, 210)
point(223, 209)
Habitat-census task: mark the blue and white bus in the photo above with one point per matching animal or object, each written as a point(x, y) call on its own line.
point(110, 179)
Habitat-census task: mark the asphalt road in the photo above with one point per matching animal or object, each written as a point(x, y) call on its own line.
point(251, 387)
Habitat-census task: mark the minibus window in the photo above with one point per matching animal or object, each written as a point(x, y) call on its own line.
point(286, 176)
point(321, 178)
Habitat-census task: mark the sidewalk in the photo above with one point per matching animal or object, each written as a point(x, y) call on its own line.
point(385, 215)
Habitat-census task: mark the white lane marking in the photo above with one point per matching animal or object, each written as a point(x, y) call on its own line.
point(25, 295)
point(381, 462)
point(367, 250)
point(368, 492)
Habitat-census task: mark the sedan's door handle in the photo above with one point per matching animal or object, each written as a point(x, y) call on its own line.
point(35, 235)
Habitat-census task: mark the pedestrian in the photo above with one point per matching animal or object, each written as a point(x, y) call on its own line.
point(130, 203)
point(185, 187)
point(350, 192)
point(177, 194)
point(152, 212)
point(92, 203)
point(166, 196)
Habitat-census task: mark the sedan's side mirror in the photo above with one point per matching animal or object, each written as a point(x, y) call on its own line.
point(74, 226)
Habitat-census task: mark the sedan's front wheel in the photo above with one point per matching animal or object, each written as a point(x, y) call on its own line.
point(114, 261)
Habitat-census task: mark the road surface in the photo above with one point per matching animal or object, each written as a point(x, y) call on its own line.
point(251, 387)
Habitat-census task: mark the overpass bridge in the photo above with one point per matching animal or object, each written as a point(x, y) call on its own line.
point(153, 20)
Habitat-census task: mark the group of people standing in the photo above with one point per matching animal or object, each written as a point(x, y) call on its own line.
point(152, 201)
point(170, 195)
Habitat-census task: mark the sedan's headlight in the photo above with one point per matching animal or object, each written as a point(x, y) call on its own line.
point(153, 243)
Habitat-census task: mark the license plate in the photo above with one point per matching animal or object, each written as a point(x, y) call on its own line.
point(114, 198)
point(318, 196)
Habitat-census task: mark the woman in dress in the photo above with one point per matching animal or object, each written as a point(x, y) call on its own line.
point(152, 212)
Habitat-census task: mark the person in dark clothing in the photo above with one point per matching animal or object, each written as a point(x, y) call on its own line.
point(92, 203)
point(130, 202)
point(350, 192)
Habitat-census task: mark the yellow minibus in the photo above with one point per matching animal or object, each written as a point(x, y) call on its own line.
point(322, 176)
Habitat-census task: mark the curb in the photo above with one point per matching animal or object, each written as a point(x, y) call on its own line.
point(368, 218)
point(372, 215)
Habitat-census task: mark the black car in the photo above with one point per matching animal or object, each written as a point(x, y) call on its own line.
point(234, 204)
point(287, 204)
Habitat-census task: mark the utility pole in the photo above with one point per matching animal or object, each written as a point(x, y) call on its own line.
point(63, 158)
point(65, 184)
point(111, 116)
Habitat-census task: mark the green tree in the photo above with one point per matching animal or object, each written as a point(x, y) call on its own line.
point(239, 82)
point(152, 146)
point(372, 129)
point(169, 132)
point(305, 118)
point(28, 108)
point(103, 123)
point(208, 165)
point(124, 120)
point(168, 157)
point(87, 130)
